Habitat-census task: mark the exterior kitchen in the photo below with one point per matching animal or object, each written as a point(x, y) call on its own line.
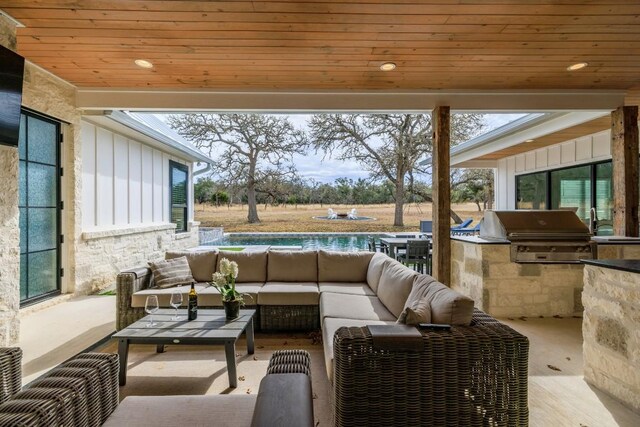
point(524, 263)
point(563, 238)
point(554, 203)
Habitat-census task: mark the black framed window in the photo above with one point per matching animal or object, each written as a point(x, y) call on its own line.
point(531, 191)
point(39, 205)
point(178, 187)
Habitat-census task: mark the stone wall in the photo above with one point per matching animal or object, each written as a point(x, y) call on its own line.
point(503, 288)
point(618, 251)
point(101, 255)
point(9, 247)
point(611, 332)
point(46, 94)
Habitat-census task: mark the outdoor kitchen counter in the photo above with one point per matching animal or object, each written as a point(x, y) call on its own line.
point(483, 270)
point(611, 346)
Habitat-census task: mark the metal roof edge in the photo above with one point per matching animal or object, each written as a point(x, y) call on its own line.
point(525, 124)
point(126, 120)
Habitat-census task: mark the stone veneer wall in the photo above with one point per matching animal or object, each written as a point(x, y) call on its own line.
point(503, 288)
point(46, 94)
point(618, 251)
point(611, 332)
point(101, 255)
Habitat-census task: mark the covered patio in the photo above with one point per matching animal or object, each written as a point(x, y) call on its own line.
point(91, 66)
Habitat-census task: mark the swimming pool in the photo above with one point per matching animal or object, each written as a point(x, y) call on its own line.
point(333, 242)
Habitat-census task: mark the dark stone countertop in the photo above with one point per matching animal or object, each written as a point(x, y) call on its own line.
point(616, 240)
point(479, 240)
point(630, 265)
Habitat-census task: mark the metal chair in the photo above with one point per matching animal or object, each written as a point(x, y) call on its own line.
point(376, 246)
point(426, 227)
point(418, 254)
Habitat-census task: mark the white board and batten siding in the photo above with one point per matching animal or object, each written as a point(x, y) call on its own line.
point(588, 149)
point(124, 182)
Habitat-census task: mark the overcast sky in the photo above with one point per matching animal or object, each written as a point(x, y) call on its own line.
point(327, 170)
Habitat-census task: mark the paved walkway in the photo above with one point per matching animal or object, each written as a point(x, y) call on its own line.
point(51, 335)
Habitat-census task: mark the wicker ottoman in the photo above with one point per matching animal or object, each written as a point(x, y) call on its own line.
point(290, 362)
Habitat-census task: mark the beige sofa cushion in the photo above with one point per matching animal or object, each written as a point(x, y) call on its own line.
point(346, 288)
point(329, 328)
point(395, 285)
point(343, 266)
point(292, 266)
point(205, 299)
point(353, 307)
point(227, 410)
point(208, 296)
point(252, 266)
point(289, 293)
point(374, 271)
point(171, 272)
point(447, 306)
point(202, 263)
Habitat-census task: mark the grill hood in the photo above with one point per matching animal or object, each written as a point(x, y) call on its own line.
point(526, 225)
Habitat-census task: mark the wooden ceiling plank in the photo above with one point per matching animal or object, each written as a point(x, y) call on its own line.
point(437, 44)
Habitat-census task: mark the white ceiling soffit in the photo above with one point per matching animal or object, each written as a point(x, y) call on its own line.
point(466, 154)
point(346, 101)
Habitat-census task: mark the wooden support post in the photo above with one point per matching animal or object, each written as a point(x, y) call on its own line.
point(441, 184)
point(624, 152)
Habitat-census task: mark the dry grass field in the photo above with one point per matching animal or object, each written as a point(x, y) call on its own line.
point(300, 218)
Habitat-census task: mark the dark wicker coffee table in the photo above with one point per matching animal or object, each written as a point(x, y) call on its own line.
point(210, 328)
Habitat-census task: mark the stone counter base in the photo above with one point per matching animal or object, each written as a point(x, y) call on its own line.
point(611, 332)
point(503, 288)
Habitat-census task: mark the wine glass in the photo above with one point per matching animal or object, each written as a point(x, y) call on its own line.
point(151, 306)
point(176, 301)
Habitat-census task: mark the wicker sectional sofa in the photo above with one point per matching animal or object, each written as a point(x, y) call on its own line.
point(83, 391)
point(473, 374)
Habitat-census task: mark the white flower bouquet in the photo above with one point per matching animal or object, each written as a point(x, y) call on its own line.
point(225, 281)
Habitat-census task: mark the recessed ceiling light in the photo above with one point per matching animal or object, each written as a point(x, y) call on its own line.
point(388, 66)
point(577, 66)
point(143, 63)
point(530, 140)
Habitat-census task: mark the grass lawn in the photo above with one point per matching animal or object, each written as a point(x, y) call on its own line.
point(300, 218)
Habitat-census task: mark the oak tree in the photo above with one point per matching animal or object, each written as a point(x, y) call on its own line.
point(248, 149)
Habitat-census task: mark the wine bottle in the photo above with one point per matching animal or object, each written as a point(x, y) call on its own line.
point(193, 303)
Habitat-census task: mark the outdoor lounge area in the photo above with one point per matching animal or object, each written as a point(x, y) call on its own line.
point(319, 213)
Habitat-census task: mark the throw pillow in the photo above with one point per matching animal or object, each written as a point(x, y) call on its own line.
point(419, 312)
point(171, 272)
point(201, 263)
point(447, 306)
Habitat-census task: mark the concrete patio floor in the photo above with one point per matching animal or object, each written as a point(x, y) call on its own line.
point(556, 397)
point(59, 329)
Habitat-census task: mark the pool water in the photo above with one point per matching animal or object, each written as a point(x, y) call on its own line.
point(332, 242)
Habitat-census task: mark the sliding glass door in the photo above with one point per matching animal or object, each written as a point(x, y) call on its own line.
point(39, 206)
point(603, 199)
point(571, 189)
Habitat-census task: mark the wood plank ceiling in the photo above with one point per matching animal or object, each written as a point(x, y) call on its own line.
point(334, 44)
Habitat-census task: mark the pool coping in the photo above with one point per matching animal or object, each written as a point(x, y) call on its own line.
point(311, 234)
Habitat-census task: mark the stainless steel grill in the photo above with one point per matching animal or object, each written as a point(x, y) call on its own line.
point(540, 236)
